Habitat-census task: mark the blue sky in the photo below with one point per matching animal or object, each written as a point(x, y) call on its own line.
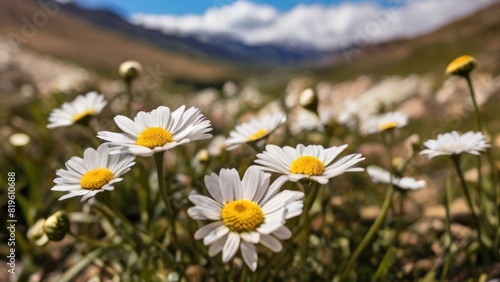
point(183, 7)
point(319, 24)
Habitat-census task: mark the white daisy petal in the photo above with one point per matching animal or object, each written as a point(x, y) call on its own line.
point(212, 183)
point(249, 254)
point(203, 213)
point(250, 183)
point(205, 202)
point(205, 230)
point(216, 234)
point(251, 237)
point(64, 188)
point(228, 183)
point(217, 246)
point(271, 243)
point(89, 195)
point(274, 188)
point(283, 233)
point(127, 125)
point(294, 209)
point(230, 247)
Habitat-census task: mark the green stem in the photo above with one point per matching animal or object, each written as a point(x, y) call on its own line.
point(221, 275)
point(164, 194)
point(456, 162)
point(400, 218)
point(480, 128)
point(496, 242)
point(479, 183)
point(447, 204)
point(130, 97)
point(311, 196)
point(89, 241)
point(371, 233)
point(244, 274)
point(254, 145)
point(474, 103)
point(109, 208)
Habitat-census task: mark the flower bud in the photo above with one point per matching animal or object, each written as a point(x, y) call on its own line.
point(309, 100)
point(130, 70)
point(36, 233)
point(56, 226)
point(461, 66)
point(203, 156)
point(19, 139)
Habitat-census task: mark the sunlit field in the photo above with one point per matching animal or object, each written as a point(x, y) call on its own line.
point(391, 179)
point(244, 141)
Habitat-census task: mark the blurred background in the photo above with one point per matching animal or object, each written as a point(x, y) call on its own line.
point(201, 44)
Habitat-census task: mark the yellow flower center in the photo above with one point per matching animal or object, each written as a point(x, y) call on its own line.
point(461, 65)
point(242, 215)
point(82, 115)
point(259, 134)
point(96, 178)
point(307, 165)
point(388, 125)
point(153, 137)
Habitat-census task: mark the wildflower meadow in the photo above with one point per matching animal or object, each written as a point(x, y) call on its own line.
point(243, 185)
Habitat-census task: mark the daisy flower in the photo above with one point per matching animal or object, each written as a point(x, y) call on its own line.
point(245, 212)
point(311, 162)
point(158, 130)
point(455, 144)
point(254, 130)
point(387, 121)
point(380, 175)
point(82, 107)
point(98, 171)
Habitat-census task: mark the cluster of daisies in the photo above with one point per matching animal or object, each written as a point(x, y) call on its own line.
point(244, 211)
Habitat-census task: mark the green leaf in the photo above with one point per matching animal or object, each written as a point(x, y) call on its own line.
point(385, 265)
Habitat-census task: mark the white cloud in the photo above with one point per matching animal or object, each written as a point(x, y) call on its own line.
point(318, 26)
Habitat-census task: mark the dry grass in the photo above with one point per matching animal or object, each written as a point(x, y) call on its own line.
point(82, 42)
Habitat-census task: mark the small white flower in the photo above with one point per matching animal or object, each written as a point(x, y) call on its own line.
point(96, 172)
point(303, 120)
point(83, 106)
point(311, 162)
point(216, 146)
point(455, 144)
point(19, 139)
point(246, 212)
point(380, 123)
point(253, 131)
point(158, 130)
point(380, 175)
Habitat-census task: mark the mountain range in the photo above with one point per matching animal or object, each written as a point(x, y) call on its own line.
point(215, 47)
point(101, 40)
